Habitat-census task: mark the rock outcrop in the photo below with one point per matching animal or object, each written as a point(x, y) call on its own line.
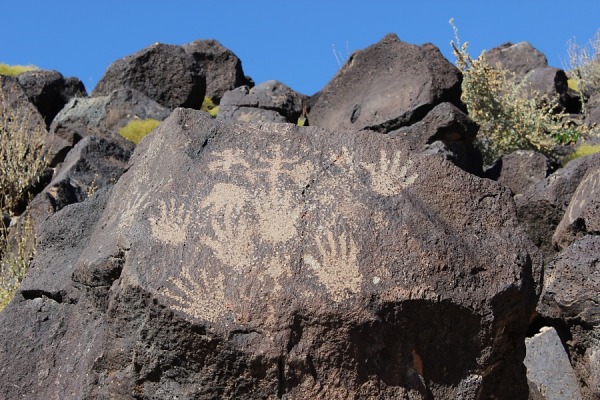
point(386, 86)
point(270, 101)
point(165, 73)
point(49, 91)
point(221, 68)
point(268, 261)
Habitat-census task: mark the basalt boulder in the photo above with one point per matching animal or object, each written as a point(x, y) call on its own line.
point(269, 261)
point(570, 301)
point(49, 91)
point(103, 116)
point(386, 86)
point(165, 73)
point(519, 170)
point(220, 66)
point(270, 101)
point(518, 58)
point(542, 207)
point(582, 217)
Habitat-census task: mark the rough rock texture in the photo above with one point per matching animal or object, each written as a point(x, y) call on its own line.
point(103, 116)
point(543, 205)
point(519, 58)
point(270, 101)
point(221, 67)
point(15, 103)
point(386, 86)
point(93, 164)
point(592, 115)
point(582, 217)
point(270, 261)
point(519, 170)
point(165, 73)
point(570, 298)
point(49, 91)
point(552, 83)
point(548, 367)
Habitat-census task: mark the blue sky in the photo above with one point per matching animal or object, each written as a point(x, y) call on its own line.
point(284, 40)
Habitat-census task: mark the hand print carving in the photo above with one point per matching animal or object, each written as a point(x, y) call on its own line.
point(338, 267)
point(201, 297)
point(171, 226)
point(390, 177)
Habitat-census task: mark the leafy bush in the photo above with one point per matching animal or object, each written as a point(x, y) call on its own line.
point(583, 150)
point(14, 70)
point(511, 116)
point(210, 107)
point(136, 129)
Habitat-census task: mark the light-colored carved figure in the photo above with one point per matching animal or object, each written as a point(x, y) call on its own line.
point(390, 177)
point(232, 241)
point(172, 224)
point(131, 209)
point(338, 267)
point(202, 297)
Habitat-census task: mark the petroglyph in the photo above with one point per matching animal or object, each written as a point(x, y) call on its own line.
point(202, 297)
point(390, 177)
point(171, 227)
point(131, 209)
point(338, 267)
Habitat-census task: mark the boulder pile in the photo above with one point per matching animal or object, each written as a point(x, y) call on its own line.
point(367, 255)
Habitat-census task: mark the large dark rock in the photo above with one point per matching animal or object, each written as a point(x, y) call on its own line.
point(552, 83)
point(386, 86)
point(543, 205)
point(93, 164)
point(221, 67)
point(49, 91)
point(519, 58)
point(270, 101)
point(165, 73)
point(271, 261)
point(570, 299)
point(582, 217)
point(519, 170)
point(103, 116)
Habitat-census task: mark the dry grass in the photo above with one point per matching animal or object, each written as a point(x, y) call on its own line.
point(584, 66)
point(14, 70)
point(23, 158)
point(136, 129)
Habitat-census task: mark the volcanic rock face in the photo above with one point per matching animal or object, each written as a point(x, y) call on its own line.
point(269, 261)
point(386, 86)
point(165, 73)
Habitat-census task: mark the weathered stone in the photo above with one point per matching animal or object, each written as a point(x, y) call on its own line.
point(519, 58)
point(386, 86)
point(570, 296)
point(93, 164)
point(49, 91)
point(552, 83)
point(221, 67)
point(548, 367)
point(519, 170)
point(165, 73)
point(583, 214)
point(283, 104)
point(543, 205)
point(270, 261)
point(592, 114)
point(103, 116)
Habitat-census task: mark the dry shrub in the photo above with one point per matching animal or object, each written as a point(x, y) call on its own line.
point(511, 116)
point(584, 66)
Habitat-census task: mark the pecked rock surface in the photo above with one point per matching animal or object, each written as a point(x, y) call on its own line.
point(270, 261)
point(386, 86)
